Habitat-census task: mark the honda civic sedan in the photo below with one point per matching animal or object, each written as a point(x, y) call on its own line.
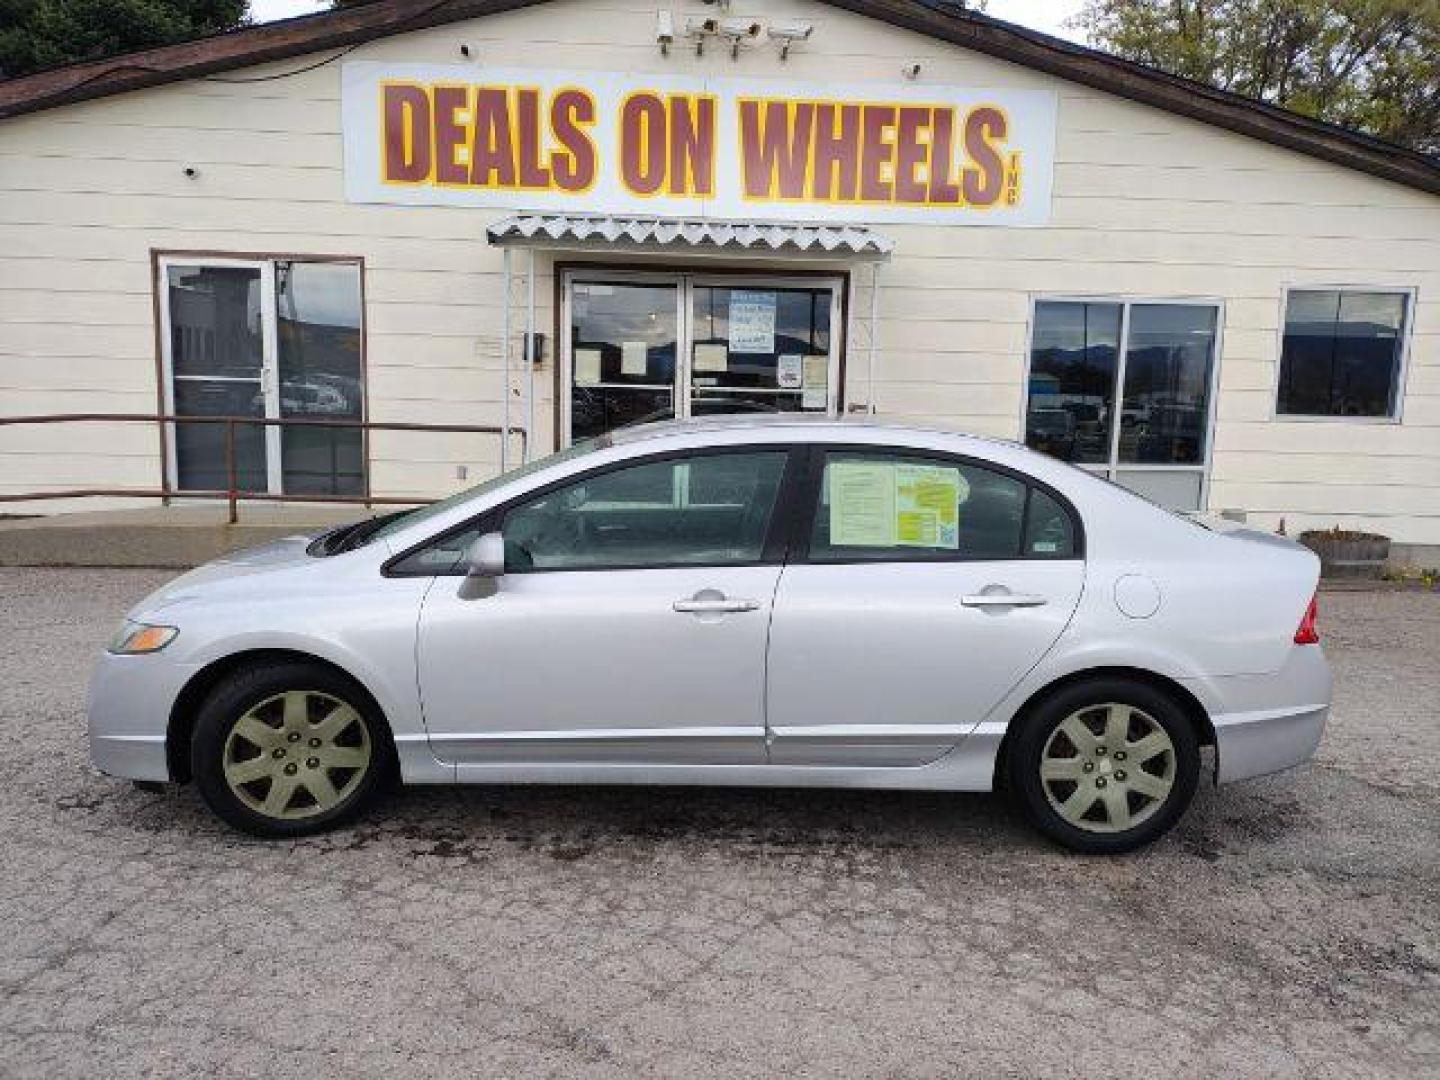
point(735, 601)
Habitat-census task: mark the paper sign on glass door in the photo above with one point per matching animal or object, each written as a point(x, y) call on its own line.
point(816, 383)
point(752, 321)
point(587, 367)
point(634, 358)
point(711, 358)
point(788, 372)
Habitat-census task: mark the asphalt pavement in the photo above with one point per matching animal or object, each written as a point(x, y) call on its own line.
point(1289, 927)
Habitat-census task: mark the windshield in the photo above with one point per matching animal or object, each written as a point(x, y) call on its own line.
point(424, 513)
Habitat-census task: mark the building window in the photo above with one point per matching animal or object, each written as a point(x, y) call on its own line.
point(1124, 388)
point(1343, 353)
point(264, 339)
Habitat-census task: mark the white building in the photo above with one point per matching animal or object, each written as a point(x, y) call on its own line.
point(864, 206)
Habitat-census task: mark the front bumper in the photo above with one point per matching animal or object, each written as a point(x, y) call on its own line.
point(129, 712)
point(1267, 723)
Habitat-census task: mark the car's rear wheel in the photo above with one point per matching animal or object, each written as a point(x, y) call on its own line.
point(1105, 766)
point(288, 749)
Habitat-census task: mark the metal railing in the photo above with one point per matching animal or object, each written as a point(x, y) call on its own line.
point(232, 492)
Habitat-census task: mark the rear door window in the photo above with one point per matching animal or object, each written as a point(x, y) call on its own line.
point(892, 506)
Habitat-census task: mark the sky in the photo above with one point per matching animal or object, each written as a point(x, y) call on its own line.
point(1046, 15)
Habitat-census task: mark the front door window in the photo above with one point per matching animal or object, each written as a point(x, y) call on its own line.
point(654, 347)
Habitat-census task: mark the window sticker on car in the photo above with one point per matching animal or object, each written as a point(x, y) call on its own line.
point(883, 505)
point(862, 504)
point(927, 505)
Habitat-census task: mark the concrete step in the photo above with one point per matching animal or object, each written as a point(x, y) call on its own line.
point(169, 537)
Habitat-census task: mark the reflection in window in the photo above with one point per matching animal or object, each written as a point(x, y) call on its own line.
point(1167, 384)
point(1072, 380)
point(706, 510)
point(623, 342)
point(1074, 405)
point(318, 328)
point(736, 369)
point(1341, 355)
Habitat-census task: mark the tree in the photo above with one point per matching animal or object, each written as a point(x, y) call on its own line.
point(1373, 65)
point(36, 34)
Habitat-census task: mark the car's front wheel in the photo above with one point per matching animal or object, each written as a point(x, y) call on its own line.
point(288, 749)
point(1105, 766)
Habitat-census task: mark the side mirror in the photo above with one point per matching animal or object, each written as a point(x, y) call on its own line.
point(486, 557)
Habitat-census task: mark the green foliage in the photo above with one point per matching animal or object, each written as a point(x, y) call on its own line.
point(1373, 65)
point(37, 34)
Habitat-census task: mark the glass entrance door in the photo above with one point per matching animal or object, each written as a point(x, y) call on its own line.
point(643, 347)
point(217, 357)
point(623, 343)
point(264, 339)
point(758, 348)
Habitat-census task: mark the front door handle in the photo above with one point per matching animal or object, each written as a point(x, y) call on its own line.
point(1002, 600)
point(714, 602)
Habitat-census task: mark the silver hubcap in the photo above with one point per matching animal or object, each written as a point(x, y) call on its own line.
point(1107, 768)
point(297, 754)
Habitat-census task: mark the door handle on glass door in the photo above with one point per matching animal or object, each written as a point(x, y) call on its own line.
point(1002, 600)
point(701, 604)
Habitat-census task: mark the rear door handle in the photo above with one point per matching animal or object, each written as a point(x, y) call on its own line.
point(714, 605)
point(1002, 600)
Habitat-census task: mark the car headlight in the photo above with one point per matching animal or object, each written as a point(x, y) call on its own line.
point(134, 638)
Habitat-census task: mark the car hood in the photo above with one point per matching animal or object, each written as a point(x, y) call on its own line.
point(277, 555)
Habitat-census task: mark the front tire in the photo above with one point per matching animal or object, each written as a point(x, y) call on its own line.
point(1105, 766)
point(288, 749)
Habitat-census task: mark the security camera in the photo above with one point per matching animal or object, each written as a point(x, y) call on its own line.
point(911, 70)
point(664, 31)
point(737, 30)
point(788, 34)
point(697, 29)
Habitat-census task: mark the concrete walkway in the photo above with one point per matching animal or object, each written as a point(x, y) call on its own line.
point(175, 536)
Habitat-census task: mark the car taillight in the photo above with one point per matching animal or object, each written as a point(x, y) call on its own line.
point(1307, 634)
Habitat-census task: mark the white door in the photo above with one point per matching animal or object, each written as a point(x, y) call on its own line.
point(928, 588)
point(629, 627)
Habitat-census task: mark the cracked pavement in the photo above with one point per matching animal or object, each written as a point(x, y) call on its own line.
point(1289, 927)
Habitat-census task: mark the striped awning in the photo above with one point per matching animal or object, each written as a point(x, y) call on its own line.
point(590, 231)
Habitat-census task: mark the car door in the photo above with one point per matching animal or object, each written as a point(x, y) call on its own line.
point(629, 626)
point(924, 588)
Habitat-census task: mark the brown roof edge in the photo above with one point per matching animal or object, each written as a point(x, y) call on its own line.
point(338, 29)
point(348, 27)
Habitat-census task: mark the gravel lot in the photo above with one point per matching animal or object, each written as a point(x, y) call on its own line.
point(1290, 927)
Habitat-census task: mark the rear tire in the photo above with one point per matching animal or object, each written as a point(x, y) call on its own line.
point(1104, 766)
point(289, 749)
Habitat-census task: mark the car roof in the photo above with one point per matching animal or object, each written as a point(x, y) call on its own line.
point(815, 427)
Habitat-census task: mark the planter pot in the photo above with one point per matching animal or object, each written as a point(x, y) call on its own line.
point(1349, 554)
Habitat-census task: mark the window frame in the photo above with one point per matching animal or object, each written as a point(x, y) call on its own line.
point(684, 278)
point(774, 551)
point(1112, 465)
point(809, 507)
point(1402, 370)
point(161, 259)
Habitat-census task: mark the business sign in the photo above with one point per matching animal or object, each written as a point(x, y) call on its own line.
point(605, 142)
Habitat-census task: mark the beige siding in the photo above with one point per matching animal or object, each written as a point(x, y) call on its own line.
point(1146, 204)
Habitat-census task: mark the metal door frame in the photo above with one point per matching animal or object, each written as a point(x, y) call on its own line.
point(269, 361)
point(684, 283)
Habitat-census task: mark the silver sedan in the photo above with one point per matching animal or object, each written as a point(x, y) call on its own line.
point(739, 601)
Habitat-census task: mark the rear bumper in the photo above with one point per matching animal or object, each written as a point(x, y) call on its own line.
point(1267, 723)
